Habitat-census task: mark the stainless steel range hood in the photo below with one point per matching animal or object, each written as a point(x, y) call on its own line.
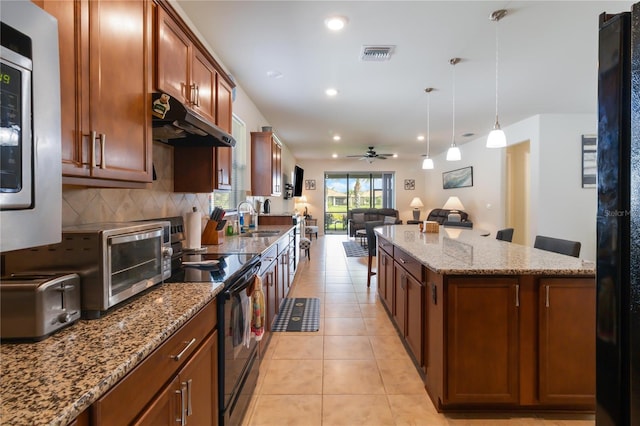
point(175, 124)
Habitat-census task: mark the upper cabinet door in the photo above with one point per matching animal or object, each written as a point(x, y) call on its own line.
point(173, 70)
point(119, 89)
point(203, 86)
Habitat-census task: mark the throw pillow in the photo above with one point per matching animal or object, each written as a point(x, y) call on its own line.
point(389, 220)
point(358, 217)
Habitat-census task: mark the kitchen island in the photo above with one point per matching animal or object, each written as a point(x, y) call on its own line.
point(491, 325)
point(72, 373)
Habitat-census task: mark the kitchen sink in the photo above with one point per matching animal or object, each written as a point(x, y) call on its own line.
point(260, 234)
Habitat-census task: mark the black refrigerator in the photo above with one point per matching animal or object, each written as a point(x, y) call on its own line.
point(618, 221)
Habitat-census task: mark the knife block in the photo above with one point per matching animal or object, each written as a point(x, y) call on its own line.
point(212, 236)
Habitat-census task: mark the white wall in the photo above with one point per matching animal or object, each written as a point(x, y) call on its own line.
point(559, 206)
point(403, 169)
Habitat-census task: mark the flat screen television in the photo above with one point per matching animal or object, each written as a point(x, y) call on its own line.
point(298, 176)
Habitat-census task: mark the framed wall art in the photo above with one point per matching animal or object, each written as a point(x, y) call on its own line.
point(409, 184)
point(458, 178)
point(589, 160)
point(310, 184)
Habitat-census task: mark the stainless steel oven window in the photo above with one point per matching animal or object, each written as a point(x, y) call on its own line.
point(135, 263)
point(16, 143)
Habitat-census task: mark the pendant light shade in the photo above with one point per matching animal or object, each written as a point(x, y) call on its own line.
point(497, 138)
point(453, 153)
point(427, 163)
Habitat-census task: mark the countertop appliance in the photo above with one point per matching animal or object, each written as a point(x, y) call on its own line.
point(238, 362)
point(34, 306)
point(115, 260)
point(618, 227)
point(30, 150)
point(266, 206)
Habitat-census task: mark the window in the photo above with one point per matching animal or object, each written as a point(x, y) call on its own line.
point(346, 191)
point(230, 199)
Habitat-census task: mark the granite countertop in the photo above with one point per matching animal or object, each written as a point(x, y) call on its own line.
point(457, 251)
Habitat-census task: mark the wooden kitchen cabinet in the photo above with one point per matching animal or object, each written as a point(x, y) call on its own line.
point(409, 302)
point(106, 125)
point(196, 169)
point(192, 394)
point(224, 112)
point(433, 351)
point(184, 71)
point(567, 324)
point(385, 276)
point(482, 340)
point(266, 164)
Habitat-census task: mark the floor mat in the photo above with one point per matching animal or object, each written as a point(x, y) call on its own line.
point(354, 249)
point(298, 314)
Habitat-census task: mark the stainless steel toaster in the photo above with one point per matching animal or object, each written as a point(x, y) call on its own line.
point(32, 307)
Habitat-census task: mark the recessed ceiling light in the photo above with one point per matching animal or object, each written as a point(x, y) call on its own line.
point(395, 155)
point(420, 137)
point(274, 74)
point(335, 155)
point(336, 23)
point(336, 137)
point(331, 92)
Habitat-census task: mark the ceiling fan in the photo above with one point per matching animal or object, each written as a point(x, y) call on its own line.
point(371, 155)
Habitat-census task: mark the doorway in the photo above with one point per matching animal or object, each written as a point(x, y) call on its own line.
point(344, 191)
point(518, 191)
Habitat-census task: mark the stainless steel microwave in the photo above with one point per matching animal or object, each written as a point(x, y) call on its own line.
point(30, 150)
point(115, 261)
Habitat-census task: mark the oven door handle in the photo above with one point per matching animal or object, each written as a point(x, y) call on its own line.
point(244, 282)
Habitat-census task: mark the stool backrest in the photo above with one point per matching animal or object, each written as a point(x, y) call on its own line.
point(557, 245)
point(371, 235)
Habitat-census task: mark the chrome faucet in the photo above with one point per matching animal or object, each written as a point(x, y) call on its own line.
point(252, 212)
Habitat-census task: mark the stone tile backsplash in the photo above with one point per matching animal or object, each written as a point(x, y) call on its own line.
point(87, 205)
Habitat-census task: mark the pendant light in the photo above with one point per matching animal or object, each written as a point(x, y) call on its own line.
point(453, 153)
point(497, 138)
point(427, 163)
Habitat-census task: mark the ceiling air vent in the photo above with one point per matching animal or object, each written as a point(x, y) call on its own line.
point(376, 53)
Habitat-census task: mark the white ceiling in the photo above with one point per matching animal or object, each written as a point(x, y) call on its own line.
point(547, 65)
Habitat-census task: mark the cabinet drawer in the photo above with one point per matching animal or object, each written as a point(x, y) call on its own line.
point(385, 245)
point(121, 404)
point(408, 262)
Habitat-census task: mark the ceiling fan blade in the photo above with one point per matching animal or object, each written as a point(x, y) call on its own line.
point(385, 155)
point(354, 156)
point(381, 157)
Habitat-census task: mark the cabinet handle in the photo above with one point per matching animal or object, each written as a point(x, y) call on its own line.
point(182, 352)
point(546, 296)
point(517, 295)
point(402, 261)
point(434, 293)
point(181, 418)
point(189, 407)
point(193, 94)
point(197, 95)
point(92, 135)
point(103, 143)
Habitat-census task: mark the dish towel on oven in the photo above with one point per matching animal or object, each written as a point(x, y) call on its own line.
point(257, 313)
point(240, 327)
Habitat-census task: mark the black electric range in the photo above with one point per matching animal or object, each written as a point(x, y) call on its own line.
point(214, 268)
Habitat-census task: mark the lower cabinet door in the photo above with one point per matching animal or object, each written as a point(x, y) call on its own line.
point(164, 409)
point(482, 340)
point(567, 362)
point(415, 317)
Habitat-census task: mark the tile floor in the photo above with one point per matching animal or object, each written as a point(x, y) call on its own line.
point(354, 370)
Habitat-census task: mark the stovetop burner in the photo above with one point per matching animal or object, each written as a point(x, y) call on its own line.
point(225, 269)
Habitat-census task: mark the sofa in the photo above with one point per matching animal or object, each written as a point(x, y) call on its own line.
point(440, 216)
point(356, 218)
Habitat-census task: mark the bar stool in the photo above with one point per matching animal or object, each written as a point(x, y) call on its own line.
point(311, 230)
point(305, 244)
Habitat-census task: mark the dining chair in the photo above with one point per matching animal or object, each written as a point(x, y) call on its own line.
point(371, 246)
point(557, 245)
point(505, 234)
